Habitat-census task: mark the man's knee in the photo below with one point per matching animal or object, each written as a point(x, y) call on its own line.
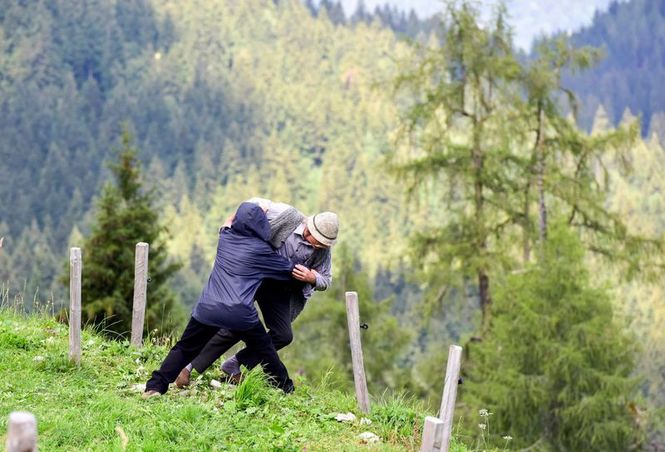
point(281, 339)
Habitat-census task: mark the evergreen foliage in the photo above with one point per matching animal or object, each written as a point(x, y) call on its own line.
point(490, 132)
point(486, 138)
point(229, 100)
point(556, 369)
point(632, 34)
point(126, 215)
point(457, 135)
point(569, 170)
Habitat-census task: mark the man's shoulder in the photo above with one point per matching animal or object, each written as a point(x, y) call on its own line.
point(277, 208)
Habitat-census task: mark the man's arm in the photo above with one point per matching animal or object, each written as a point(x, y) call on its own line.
point(319, 277)
point(261, 202)
point(229, 220)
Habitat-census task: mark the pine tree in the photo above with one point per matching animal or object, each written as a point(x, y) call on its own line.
point(556, 369)
point(126, 216)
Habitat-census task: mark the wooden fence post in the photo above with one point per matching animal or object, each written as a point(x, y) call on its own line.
point(75, 305)
point(432, 433)
point(353, 318)
point(140, 289)
point(450, 394)
point(22, 432)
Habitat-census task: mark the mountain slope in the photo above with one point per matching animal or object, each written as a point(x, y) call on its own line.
point(97, 406)
point(226, 100)
point(632, 73)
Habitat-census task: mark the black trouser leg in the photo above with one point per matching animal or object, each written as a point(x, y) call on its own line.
point(274, 299)
point(260, 344)
point(193, 339)
point(216, 347)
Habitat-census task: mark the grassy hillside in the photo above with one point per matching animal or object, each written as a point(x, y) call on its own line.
point(97, 406)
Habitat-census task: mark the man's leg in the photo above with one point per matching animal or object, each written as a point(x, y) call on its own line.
point(259, 342)
point(193, 339)
point(216, 347)
point(274, 299)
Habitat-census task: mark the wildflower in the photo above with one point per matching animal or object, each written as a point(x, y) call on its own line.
point(482, 426)
point(483, 412)
point(507, 437)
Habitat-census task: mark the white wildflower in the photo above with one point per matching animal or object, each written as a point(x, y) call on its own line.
point(482, 426)
point(507, 437)
point(483, 412)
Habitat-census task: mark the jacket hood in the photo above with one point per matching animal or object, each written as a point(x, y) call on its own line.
point(251, 221)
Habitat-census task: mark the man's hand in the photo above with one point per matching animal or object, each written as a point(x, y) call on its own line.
point(302, 273)
point(229, 220)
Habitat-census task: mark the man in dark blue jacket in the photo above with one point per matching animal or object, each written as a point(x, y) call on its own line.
point(244, 258)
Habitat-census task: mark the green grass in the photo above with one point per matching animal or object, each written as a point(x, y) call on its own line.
point(96, 406)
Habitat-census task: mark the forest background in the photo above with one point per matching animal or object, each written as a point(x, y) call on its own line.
point(294, 102)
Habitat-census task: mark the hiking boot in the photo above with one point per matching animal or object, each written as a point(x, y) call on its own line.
point(150, 394)
point(183, 378)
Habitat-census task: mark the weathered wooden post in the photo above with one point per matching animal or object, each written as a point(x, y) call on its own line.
point(432, 434)
point(140, 289)
point(353, 318)
point(75, 305)
point(22, 432)
point(450, 394)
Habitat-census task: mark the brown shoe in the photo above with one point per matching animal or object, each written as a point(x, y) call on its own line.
point(150, 394)
point(183, 378)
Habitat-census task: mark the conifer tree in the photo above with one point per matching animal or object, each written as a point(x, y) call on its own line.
point(126, 215)
point(556, 369)
point(564, 159)
point(458, 131)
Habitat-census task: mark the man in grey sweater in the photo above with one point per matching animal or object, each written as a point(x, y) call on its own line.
point(306, 241)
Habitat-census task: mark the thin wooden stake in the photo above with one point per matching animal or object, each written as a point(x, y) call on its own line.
point(432, 433)
point(75, 264)
point(140, 289)
point(353, 318)
point(450, 394)
point(22, 432)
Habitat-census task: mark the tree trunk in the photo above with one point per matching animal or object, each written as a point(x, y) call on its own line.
point(540, 176)
point(485, 299)
point(479, 204)
point(526, 229)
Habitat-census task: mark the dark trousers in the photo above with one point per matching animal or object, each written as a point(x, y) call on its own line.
point(195, 337)
point(280, 304)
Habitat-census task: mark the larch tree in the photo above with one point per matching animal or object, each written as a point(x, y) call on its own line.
point(456, 135)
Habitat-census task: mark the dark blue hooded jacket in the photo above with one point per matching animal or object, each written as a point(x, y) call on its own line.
point(244, 258)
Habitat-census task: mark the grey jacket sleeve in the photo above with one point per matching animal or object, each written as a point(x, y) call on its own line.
point(324, 273)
